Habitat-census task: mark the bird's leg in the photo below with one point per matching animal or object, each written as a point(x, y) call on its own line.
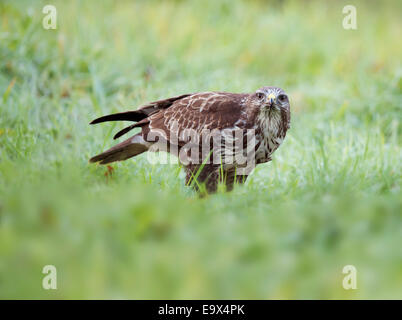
point(231, 178)
point(204, 179)
point(207, 178)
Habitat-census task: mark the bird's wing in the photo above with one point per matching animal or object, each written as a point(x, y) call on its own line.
point(140, 115)
point(198, 112)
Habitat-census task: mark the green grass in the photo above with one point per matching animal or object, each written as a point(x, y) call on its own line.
point(330, 197)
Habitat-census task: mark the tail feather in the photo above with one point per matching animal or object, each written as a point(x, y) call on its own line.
point(122, 151)
point(136, 144)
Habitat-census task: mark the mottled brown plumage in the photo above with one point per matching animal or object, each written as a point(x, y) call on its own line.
point(194, 120)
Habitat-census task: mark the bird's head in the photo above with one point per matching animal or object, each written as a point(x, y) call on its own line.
point(271, 99)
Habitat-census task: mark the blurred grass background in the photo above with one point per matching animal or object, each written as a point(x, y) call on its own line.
point(331, 196)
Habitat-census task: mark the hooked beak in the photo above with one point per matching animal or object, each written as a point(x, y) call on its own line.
point(270, 99)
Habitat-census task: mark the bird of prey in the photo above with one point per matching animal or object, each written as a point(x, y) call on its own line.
point(254, 124)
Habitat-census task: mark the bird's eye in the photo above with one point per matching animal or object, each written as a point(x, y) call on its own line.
point(260, 95)
point(282, 98)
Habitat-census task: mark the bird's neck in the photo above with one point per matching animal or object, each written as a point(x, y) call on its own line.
point(271, 123)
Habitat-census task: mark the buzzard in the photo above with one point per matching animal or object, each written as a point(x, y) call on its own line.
point(218, 136)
